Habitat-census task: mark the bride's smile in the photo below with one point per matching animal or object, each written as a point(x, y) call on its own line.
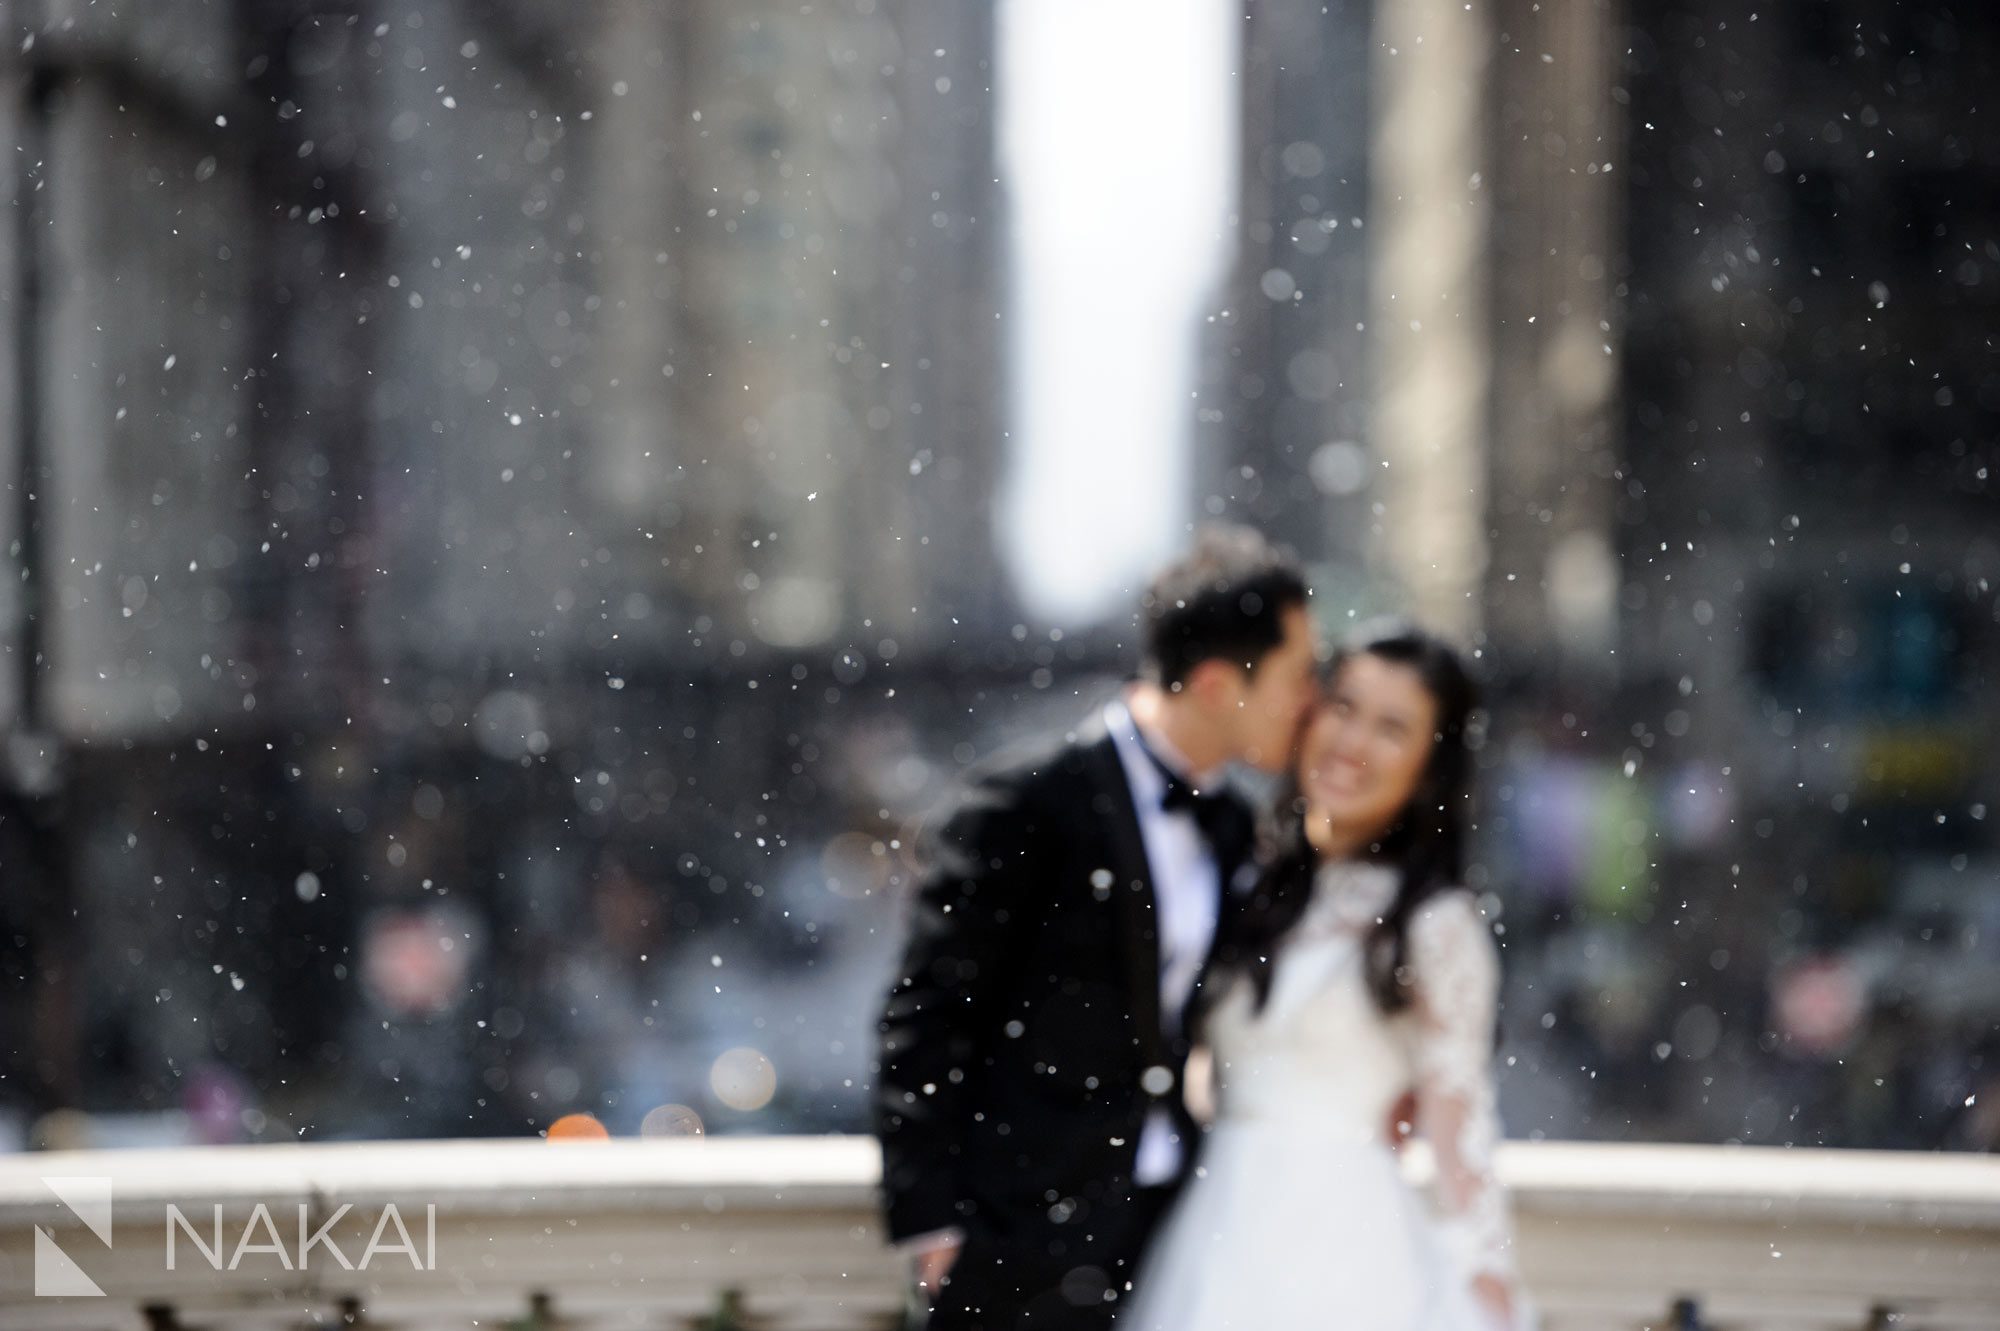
point(1364, 751)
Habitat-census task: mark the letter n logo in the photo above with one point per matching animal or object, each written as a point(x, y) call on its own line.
point(89, 1199)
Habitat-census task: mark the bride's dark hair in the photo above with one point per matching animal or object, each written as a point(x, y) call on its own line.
point(1425, 845)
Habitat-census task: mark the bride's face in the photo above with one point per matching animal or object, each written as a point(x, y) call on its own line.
point(1365, 751)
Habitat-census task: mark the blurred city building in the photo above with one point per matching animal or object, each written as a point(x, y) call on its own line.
point(1651, 346)
point(503, 548)
point(507, 497)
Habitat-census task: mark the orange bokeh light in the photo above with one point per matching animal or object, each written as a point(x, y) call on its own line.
point(578, 1128)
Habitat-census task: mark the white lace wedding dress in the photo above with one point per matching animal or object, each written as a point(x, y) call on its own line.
point(1298, 1215)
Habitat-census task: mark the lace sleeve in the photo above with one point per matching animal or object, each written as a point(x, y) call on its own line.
point(1456, 972)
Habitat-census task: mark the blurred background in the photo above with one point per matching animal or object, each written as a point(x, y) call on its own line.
point(514, 513)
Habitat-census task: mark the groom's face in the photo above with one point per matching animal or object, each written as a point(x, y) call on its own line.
point(1274, 697)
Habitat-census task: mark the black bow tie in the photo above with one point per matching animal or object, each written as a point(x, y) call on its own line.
point(1225, 823)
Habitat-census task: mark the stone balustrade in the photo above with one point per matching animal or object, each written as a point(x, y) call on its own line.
point(781, 1234)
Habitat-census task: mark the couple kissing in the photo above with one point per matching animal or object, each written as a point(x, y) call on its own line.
point(1093, 916)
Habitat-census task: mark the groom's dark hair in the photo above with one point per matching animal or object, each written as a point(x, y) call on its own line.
point(1225, 599)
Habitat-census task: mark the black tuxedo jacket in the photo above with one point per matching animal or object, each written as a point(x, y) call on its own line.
point(1012, 1084)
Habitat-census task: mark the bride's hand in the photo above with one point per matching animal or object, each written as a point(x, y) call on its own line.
point(1496, 1298)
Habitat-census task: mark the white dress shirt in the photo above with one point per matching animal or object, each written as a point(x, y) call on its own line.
point(1187, 900)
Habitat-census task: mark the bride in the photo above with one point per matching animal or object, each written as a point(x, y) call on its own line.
point(1363, 973)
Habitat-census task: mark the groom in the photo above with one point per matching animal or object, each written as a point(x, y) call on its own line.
point(1028, 1098)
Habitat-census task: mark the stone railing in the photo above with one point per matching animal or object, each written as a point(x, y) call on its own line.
point(781, 1233)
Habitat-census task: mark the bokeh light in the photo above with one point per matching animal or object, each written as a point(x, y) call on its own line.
point(671, 1121)
point(743, 1079)
point(578, 1128)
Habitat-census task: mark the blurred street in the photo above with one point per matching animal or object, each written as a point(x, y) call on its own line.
point(516, 515)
